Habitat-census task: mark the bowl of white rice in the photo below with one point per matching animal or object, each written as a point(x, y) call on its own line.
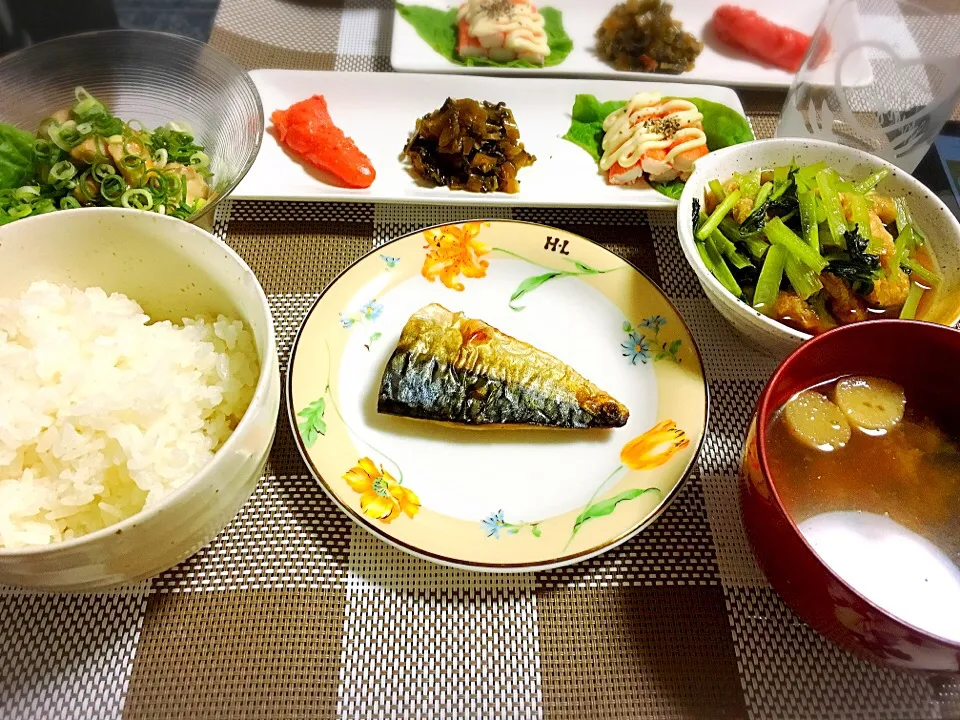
point(139, 393)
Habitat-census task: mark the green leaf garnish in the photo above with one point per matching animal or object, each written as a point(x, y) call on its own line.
point(16, 156)
point(438, 28)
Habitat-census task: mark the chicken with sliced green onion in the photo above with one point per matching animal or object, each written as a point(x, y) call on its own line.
point(86, 156)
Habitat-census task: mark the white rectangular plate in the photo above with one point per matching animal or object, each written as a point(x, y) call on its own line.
point(380, 110)
point(718, 63)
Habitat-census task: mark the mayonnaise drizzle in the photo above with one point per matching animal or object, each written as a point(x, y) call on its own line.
point(520, 26)
point(648, 123)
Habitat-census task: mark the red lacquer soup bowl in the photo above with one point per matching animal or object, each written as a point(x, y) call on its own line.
point(922, 357)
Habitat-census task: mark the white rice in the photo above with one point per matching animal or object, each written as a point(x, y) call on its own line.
point(103, 413)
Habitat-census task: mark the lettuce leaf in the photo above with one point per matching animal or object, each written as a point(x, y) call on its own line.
point(722, 125)
point(438, 28)
point(586, 128)
point(16, 156)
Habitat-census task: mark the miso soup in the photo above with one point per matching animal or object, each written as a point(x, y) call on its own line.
point(872, 479)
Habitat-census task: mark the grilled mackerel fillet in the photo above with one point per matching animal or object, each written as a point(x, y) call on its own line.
point(453, 369)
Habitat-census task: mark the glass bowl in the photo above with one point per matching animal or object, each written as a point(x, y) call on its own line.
point(152, 77)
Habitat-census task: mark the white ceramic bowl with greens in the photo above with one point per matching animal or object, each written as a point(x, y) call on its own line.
point(938, 223)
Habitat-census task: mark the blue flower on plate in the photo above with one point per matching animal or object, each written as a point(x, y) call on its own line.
point(372, 310)
point(493, 524)
point(655, 323)
point(636, 348)
point(346, 321)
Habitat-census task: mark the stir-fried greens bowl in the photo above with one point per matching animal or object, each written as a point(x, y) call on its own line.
point(124, 118)
point(824, 235)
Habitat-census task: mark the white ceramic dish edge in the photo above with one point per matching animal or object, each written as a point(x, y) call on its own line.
point(564, 175)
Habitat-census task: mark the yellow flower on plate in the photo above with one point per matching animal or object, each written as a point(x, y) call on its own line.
point(654, 447)
point(452, 251)
point(381, 496)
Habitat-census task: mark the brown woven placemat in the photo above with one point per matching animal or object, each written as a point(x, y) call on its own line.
point(293, 612)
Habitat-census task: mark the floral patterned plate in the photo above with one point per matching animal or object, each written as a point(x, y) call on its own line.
point(499, 499)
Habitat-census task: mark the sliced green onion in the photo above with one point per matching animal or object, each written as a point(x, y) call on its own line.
point(182, 127)
point(200, 160)
point(768, 284)
point(718, 214)
point(804, 280)
point(831, 206)
point(137, 199)
point(103, 170)
point(909, 309)
point(720, 270)
point(88, 186)
point(53, 131)
point(160, 158)
point(20, 211)
point(112, 188)
point(63, 170)
point(135, 125)
point(918, 270)
point(85, 128)
point(44, 205)
point(779, 234)
point(69, 202)
point(808, 219)
point(87, 105)
point(871, 181)
point(114, 139)
point(131, 162)
point(154, 182)
point(45, 151)
point(27, 193)
point(68, 135)
point(717, 189)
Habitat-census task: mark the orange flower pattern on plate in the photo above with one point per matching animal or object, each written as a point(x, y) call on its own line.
point(453, 251)
point(654, 447)
point(381, 496)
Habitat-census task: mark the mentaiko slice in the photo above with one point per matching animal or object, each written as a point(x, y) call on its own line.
point(454, 369)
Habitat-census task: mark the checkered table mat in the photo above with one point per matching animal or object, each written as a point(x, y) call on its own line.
point(294, 612)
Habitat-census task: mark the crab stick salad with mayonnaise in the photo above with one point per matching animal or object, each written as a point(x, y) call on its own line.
point(501, 30)
point(649, 135)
